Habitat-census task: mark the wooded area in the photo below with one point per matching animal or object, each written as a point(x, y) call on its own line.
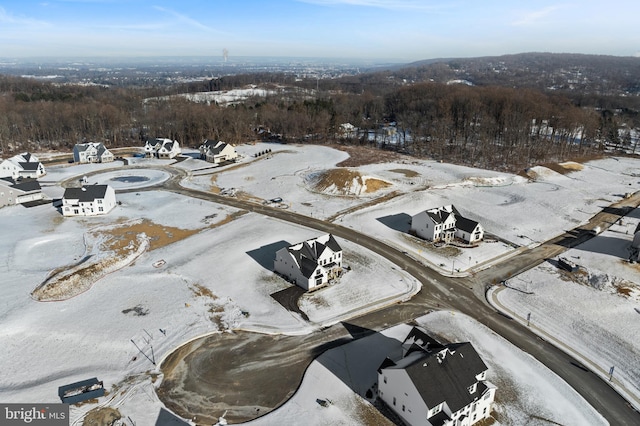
point(484, 126)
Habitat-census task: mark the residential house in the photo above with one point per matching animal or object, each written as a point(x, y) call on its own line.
point(152, 146)
point(312, 263)
point(162, 148)
point(445, 224)
point(91, 152)
point(217, 151)
point(89, 200)
point(23, 165)
point(428, 383)
point(19, 191)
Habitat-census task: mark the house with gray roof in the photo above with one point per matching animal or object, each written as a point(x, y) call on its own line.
point(91, 152)
point(88, 200)
point(23, 165)
point(428, 383)
point(162, 148)
point(19, 191)
point(217, 151)
point(312, 263)
point(446, 224)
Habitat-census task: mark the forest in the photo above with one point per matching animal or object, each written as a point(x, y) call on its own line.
point(488, 126)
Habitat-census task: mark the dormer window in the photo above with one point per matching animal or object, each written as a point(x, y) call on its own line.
point(472, 388)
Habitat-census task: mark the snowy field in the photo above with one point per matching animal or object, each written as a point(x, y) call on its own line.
point(215, 273)
point(594, 312)
point(343, 375)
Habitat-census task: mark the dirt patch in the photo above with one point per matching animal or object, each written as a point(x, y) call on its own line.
point(202, 291)
point(102, 416)
point(344, 181)
point(406, 172)
point(159, 235)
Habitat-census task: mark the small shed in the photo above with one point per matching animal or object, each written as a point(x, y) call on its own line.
point(81, 391)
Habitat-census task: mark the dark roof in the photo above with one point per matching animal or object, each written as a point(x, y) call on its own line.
point(446, 375)
point(465, 224)
point(30, 165)
point(86, 193)
point(439, 216)
point(168, 145)
point(418, 339)
point(209, 143)
point(27, 156)
point(309, 251)
point(26, 185)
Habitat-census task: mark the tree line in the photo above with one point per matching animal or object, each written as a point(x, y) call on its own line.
point(490, 126)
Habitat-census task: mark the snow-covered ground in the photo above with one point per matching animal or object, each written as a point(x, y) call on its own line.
point(343, 375)
point(594, 312)
point(219, 276)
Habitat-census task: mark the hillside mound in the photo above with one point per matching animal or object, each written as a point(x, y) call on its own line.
point(344, 182)
point(541, 173)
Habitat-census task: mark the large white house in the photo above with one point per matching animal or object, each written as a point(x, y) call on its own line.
point(91, 152)
point(428, 383)
point(89, 200)
point(217, 151)
point(445, 224)
point(162, 148)
point(19, 191)
point(23, 165)
point(312, 263)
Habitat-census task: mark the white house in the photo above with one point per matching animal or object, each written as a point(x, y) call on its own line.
point(217, 151)
point(23, 165)
point(89, 200)
point(444, 224)
point(162, 148)
point(19, 191)
point(312, 263)
point(434, 384)
point(91, 152)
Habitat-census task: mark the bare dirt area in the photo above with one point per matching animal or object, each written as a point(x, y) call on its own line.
point(208, 367)
point(343, 181)
point(102, 416)
point(107, 249)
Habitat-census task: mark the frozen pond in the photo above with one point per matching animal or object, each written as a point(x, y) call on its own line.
point(130, 178)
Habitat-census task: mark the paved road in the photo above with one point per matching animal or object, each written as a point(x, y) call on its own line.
point(220, 373)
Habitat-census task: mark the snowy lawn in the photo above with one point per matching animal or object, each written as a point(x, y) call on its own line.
point(527, 392)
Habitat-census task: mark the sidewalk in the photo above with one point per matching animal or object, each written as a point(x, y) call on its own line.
point(492, 298)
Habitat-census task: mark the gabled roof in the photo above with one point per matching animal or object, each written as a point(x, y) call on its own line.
point(446, 375)
point(167, 145)
point(23, 184)
point(465, 224)
point(86, 193)
point(440, 373)
point(218, 148)
point(307, 253)
point(29, 166)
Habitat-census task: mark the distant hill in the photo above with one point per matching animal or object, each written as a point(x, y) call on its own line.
point(592, 74)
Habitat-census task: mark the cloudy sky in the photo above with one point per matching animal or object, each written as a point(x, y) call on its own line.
point(404, 30)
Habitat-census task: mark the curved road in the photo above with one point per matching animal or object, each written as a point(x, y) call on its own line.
point(184, 391)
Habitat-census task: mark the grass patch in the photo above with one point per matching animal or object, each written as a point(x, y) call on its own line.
point(346, 182)
point(406, 172)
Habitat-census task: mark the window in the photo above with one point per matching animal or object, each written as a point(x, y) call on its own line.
point(100, 209)
point(394, 400)
point(385, 379)
point(403, 408)
point(472, 388)
point(99, 201)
